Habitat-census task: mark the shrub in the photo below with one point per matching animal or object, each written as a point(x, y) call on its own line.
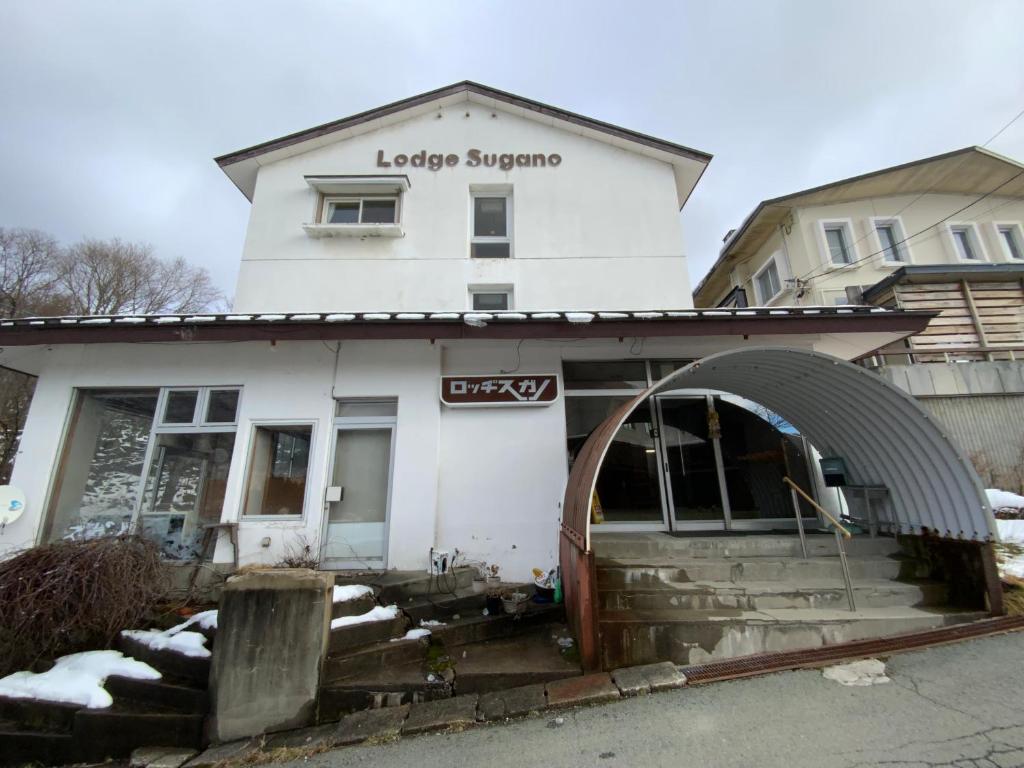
point(72, 596)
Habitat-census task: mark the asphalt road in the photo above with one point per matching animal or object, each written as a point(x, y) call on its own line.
point(959, 705)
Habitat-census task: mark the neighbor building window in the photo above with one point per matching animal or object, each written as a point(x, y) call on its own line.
point(360, 210)
point(890, 240)
point(492, 226)
point(491, 301)
point(767, 282)
point(278, 468)
point(838, 242)
point(966, 245)
point(1011, 241)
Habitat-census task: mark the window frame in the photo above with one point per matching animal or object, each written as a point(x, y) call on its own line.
point(826, 291)
point(199, 422)
point(846, 225)
point(254, 426)
point(506, 290)
point(900, 233)
point(1016, 232)
point(328, 200)
point(974, 237)
point(762, 301)
point(475, 239)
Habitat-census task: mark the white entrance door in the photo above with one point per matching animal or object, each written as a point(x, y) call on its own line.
point(357, 522)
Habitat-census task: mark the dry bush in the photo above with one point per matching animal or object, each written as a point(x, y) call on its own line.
point(73, 596)
point(300, 553)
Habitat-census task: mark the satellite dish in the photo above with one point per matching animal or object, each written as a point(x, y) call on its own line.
point(12, 504)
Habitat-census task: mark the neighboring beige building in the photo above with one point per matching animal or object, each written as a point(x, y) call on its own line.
point(814, 246)
point(941, 235)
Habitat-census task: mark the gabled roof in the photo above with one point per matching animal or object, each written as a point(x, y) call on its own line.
point(241, 166)
point(967, 171)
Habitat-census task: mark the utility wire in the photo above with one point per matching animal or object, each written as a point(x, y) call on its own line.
point(810, 276)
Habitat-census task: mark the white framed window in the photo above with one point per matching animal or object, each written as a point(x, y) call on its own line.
point(490, 298)
point(834, 297)
point(837, 242)
point(359, 210)
point(1011, 239)
point(278, 471)
point(964, 241)
point(767, 282)
point(890, 237)
point(198, 407)
point(491, 225)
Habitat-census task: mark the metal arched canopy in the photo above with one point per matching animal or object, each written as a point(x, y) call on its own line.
point(884, 434)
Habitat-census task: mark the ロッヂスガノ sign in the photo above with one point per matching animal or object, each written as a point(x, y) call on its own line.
point(499, 390)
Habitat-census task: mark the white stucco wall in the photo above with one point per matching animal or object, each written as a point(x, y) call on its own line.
point(601, 230)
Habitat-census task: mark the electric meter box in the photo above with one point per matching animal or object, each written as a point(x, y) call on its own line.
point(833, 469)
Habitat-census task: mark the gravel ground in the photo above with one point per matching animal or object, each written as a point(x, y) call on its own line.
point(959, 705)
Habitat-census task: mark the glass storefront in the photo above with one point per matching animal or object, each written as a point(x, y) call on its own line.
point(685, 459)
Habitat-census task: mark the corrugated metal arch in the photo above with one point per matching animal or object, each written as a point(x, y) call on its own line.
point(885, 435)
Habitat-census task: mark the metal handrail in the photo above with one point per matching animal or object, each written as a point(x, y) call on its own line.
point(837, 528)
point(821, 510)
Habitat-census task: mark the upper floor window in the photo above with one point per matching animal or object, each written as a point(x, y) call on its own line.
point(838, 236)
point(767, 283)
point(966, 244)
point(490, 300)
point(890, 240)
point(492, 226)
point(1011, 241)
point(360, 210)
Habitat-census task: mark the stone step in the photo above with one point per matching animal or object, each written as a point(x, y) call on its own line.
point(652, 571)
point(193, 670)
point(36, 715)
point(444, 607)
point(476, 627)
point(753, 595)
point(389, 687)
point(531, 658)
point(695, 637)
point(633, 545)
point(399, 586)
point(367, 633)
point(101, 734)
point(157, 695)
point(353, 607)
point(364, 660)
point(26, 747)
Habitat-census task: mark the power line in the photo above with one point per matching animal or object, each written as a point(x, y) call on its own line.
point(995, 136)
point(809, 276)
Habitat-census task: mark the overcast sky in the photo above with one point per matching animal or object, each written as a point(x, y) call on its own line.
point(111, 113)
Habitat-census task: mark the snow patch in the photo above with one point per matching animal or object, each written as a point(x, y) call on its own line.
point(339, 317)
point(376, 316)
point(647, 315)
point(412, 634)
point(305, 317)
point(431, 623)
point(186, 643)
point(410, 316)
point(444, 316)
point(270, 317)
point(546, 316)
point(579, 317)
point(477, 319)
point(613, 315)
point(77, 679)
point(163, 320)
point(377, 613)
point(200, 319)
point(238, 317)
point(856, 673)
point(346, 592)
point(510, 316)
point(998, 499)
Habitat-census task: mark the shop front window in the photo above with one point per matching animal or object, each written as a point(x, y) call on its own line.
point(149, 460)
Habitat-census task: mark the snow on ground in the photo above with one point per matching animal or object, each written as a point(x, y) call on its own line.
point(377, 613)
point(348, 592)
point(864, 672)
point(178, 638)
point(77, 679)
point(1010, 554)
point(1000, 499)
point(412, 634)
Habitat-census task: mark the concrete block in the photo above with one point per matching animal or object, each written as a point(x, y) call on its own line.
point(458, 711)
point(663, 676)
point(513, 702)
point(576, 691)
point(377, 724)
point(272, 638)
point(630, 681)
point(233, 750)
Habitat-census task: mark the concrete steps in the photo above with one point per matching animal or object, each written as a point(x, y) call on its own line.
point(696, 637)
point(759, 595)
point(691, 600)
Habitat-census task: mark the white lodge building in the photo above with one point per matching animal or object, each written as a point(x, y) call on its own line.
point(438, 302)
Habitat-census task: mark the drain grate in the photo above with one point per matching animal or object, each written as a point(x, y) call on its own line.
point(763, 663)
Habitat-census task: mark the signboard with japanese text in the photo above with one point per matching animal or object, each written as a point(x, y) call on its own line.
point(499, 390)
